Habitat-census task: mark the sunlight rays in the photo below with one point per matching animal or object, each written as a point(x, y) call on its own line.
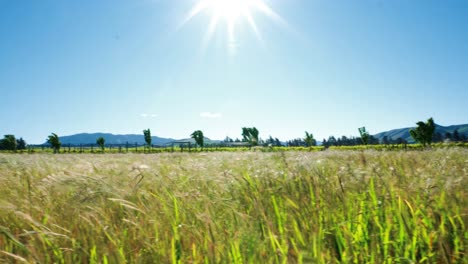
point(231, 12)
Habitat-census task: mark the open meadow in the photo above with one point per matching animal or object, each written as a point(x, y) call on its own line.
point(235, 207)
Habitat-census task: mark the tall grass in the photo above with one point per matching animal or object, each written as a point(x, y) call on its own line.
point(282, 207)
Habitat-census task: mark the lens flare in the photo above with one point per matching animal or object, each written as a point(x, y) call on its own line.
point(231, 12)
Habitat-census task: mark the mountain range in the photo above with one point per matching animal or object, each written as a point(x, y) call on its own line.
point(403, 133)
point(90, 138)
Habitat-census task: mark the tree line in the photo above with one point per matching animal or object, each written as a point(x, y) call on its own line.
point(423, 133)
point(9, 142)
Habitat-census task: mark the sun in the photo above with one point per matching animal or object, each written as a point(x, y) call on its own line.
point(231, 12)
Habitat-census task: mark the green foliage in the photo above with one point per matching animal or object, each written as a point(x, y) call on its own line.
point(198, 137)
point(424, 132)
point(364, 135)
point(223, 148)
point(100, 142)
point(250, 134)
point(147, 134)
point(54, 142)
point(21, 144)
point(285, 207)
point(8, 143)
point(309, 139)
point(456, 135)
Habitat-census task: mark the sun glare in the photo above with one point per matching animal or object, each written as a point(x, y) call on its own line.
point(231, 12)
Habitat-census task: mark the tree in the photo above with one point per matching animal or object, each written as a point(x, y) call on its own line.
point(344, 141)
point(8, 142)
point(298, 142)
point(198, 137)
point(54, 142)
point(309, 140)
point(101, 141)
point(270, 141)
point(277, 142)
point(364, 135)
point(373, 140)
point(437, 137)
point(423, 132)
point(448, 136)
point(250, 134)
point(463, 138)
point(385, 140)
point(401, 140)
point(21, 144)
point(456, 136)
point(325, 143)
point(147, 134)
point(331, 141)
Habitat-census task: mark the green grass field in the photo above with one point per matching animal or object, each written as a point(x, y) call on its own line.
point(235, 207)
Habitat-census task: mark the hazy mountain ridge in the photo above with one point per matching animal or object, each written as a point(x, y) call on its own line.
point(403, 133)
point(90, 138)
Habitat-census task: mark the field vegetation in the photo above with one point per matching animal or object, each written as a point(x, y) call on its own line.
point(220, 148)
point(331, 206)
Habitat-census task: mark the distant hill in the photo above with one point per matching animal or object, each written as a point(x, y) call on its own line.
point(404, 132)
point(90, 138)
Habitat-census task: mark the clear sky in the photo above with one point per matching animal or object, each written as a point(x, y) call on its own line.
point(325, 66)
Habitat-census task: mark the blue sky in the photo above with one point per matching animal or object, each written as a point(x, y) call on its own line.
point(329, 67)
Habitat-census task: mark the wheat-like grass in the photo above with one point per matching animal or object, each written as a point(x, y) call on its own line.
point(246, 207)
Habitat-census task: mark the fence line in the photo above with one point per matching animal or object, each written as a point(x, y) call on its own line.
point(136, 147)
